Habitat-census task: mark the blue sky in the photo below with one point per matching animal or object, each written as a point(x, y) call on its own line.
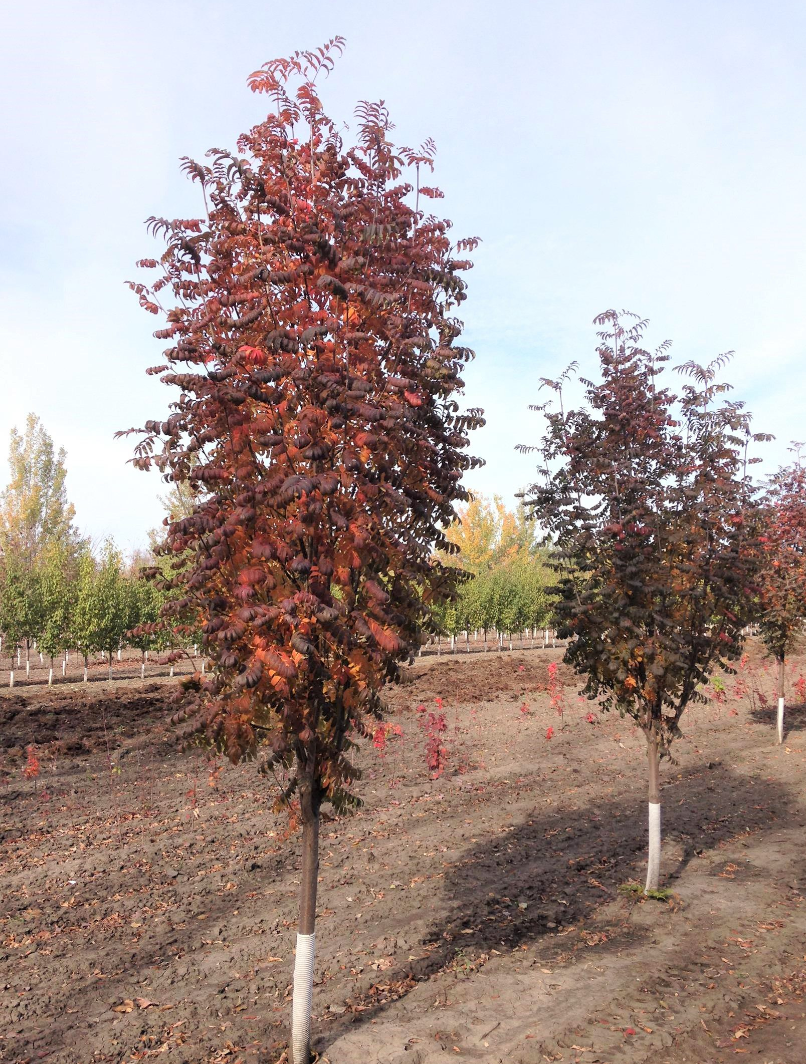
point(643, 155)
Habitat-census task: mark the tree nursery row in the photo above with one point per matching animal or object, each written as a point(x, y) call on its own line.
point(314, 357)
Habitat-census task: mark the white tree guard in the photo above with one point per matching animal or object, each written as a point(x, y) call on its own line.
point(303, 993)
point(653, 864)
point(780, 720)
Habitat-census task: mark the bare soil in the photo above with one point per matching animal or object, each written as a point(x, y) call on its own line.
point(149, 894)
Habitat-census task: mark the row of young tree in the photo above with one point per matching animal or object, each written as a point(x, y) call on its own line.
point(56, 593)
point(507, 574)
point(85, 603)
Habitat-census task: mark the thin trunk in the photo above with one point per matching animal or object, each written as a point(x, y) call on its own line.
point(781, 700)
point(11, 678)
point(653, 863)
point(110, 666)
point(467, 641)
point(50, 676)
point(306, 929)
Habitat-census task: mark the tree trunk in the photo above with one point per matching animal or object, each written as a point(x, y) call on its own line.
point(781, 700)
point(306, 929)
point(653, 863)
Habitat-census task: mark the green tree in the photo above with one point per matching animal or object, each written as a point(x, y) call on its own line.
point(102, 613)
point(21, 605)
point(58, 571)
point(34, 509)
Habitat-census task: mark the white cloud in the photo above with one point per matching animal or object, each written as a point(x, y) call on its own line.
point(609, 153)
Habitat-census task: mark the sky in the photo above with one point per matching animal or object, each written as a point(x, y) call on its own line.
point(640, 155)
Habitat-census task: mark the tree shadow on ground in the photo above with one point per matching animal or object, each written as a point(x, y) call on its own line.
point(561, 866)
point(794, 717)
point(561, 863)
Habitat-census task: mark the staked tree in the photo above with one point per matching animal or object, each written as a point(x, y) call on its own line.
point(782, 576)
point(647, 498)
point(313, 344)
point(101, 614)
point(58, 572)
point(21, 605)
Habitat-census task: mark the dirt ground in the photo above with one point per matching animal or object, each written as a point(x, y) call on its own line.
point(149, 894)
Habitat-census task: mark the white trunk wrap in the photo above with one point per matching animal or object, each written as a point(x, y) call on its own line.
point(653, 863)
point(780, 720)
point(303, 992)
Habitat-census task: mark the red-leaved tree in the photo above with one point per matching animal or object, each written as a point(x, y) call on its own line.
point(313, 346)
point(647, 499)
point(783, 568)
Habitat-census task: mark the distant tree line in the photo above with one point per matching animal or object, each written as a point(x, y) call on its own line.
point(508, 574)
point(56, 593)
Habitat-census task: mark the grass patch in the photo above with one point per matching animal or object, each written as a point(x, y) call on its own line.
point(635, 890)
